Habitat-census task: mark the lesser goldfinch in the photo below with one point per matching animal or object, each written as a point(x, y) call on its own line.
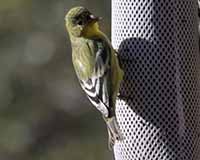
point(96, 66)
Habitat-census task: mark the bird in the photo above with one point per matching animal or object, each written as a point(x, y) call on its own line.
point(96, 65)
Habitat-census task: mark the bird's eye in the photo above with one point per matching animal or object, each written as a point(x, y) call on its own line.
point(80, 23)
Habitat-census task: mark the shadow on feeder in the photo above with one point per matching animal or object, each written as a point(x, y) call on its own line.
point(147, 87)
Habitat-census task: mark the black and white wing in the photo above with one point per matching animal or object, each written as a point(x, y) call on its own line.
point(97, 87)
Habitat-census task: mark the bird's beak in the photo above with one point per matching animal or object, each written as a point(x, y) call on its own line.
point(94, 18)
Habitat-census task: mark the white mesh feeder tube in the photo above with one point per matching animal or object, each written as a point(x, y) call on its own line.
point(158, 109)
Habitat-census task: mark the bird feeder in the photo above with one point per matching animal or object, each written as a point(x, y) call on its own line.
point(158, 109)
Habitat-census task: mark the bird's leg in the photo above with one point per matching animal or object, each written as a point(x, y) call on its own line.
point(113, 131)
point(111, 140)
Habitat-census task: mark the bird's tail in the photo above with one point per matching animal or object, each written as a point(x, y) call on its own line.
point(114, 133)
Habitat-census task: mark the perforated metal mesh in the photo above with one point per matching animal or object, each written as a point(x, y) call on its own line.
point(159, 107)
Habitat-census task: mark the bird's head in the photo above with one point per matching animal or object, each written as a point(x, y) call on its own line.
point(80, 22)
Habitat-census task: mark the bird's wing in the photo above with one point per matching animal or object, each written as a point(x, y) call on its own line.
point(98, 86)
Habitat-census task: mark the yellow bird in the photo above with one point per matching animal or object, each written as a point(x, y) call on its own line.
point(96, 65)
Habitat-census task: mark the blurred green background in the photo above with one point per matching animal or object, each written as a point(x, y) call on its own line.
point(44, 114)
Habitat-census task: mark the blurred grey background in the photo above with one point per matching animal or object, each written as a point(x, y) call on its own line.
point(44, 115)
